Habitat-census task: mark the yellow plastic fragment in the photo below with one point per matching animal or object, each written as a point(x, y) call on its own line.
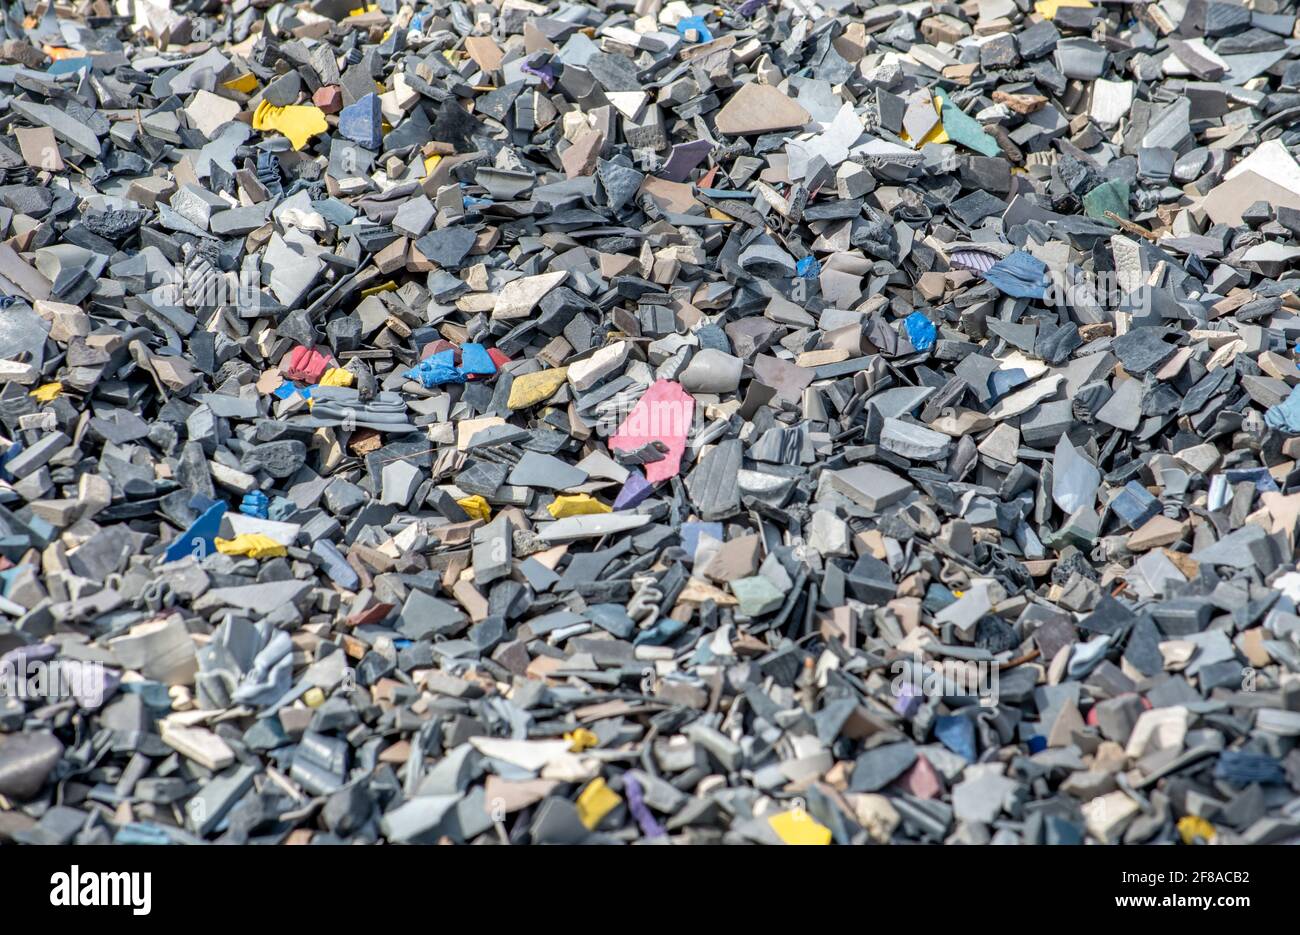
point(1048, 8)
point(431, 163)
point(579, 504)
point(251, 544)
point(389, 286)
point(529, 389)
point(313, 698)
point(798, 827)
point(476, 507)
point(362, 10)
point(581, 739)
point(719, 216)
point(595, 802)
point(337, 376)
point(937, 133)
point(1191, 827)
point(299, 122)
point(244, 84)
point(47, 393)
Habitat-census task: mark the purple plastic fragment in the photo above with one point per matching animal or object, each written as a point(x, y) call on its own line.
point(976, 260)
point(908, 700)
point(636, 805)
point(684, 158)
point(635, 489)
point(543, 72)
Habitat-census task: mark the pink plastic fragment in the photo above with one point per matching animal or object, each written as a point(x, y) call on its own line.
point(305, 365)
point(921, 780)
point(663, 414)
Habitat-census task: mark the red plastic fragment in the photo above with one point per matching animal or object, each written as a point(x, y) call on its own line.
point(305, 365)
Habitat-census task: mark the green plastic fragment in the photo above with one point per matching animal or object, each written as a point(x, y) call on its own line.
point(1109, 196)
point(757, 595)
point(964, 129)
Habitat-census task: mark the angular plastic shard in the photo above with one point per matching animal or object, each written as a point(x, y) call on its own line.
point(664, 413)
point(1075, 480)
point(298, 122)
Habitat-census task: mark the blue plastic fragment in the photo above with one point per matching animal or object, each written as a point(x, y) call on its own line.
point(284, 390)
point(716, 193)
point(957, 733)
point(1056, 830)
point(362, 122)
point(334, 211)
point(437, 369)
point(1002, 382)
point(336, 566)
point(153, 694)
point(11, 452)
point(1242, 768)
point(1262, 479)
point(1285, 416)
point(920, 331)
point(255, 503)
point(691, 532)
point(1134, 505)
point(281, 509)
point(703, 655)
point(68, 66)
point(474, 359)
point(937, 597)
point(440, 368)
point(687, 23)
point(1037, 743)
point(198, 539)
point(662, 632)
point(808, 267)
point(1021, 276)
point(139, 832)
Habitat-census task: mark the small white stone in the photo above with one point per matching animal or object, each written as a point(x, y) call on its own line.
point(828, 534)
point(584, 374)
